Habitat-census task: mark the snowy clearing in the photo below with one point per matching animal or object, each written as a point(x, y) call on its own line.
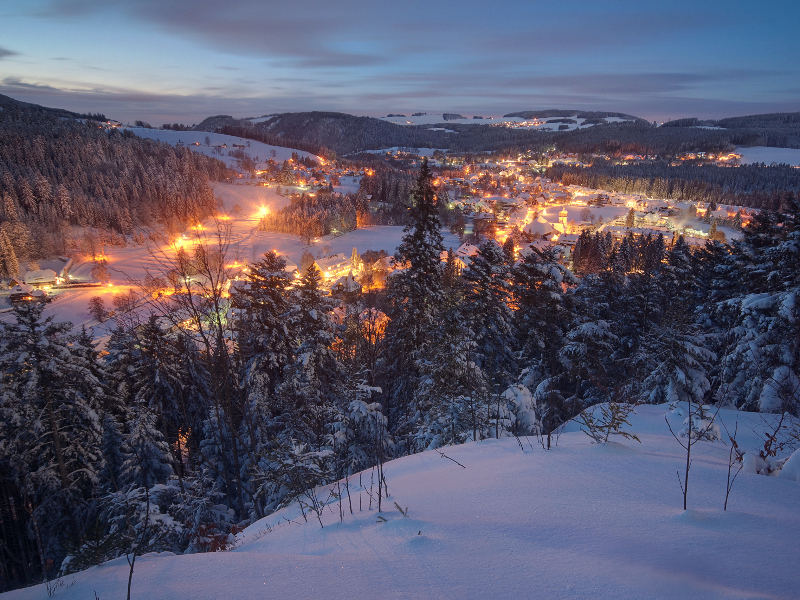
point(263, 152)
point(580, 521)
point(766, 155)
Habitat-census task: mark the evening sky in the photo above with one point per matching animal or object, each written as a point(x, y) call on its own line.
point(183, 60)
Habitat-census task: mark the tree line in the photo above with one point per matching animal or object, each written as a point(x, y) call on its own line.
point(755, 186)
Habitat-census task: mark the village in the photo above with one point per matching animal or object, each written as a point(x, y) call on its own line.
point(502, 199)
point(492, 197)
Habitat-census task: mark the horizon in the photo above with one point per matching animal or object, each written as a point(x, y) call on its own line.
point(182, 62)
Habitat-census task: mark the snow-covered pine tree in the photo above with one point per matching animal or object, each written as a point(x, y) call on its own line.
point(489, 319)
point(453, 391)
point(542, 311)
point(147, 457)
point(311, 380)
point(543, 315)
point(264, 331)
point(157, 381)
point(415, 298)
point(51, 429)
point(9, 266)
point(760, 368)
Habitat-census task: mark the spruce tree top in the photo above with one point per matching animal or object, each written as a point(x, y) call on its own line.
point(422, 243)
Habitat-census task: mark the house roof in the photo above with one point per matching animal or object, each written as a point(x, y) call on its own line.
point(40, 276)
point(348, 283)
point(20, 290)
point(538, 227)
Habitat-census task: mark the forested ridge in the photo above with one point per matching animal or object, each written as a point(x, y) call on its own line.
point(215, 411)
point(754, 186)
point(347, 134)
point(58, 172)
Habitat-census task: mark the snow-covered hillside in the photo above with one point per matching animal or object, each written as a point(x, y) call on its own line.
point(766, 155)
point(578, 521)
point(263, 152)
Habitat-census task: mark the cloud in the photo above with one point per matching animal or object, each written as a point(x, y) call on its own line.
point(5, 52)
point(358, 55)
point(354, 34)
point(128, 105)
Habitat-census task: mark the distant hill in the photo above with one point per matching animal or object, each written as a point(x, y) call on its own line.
point(779, 130)
point(216, 122)
point(6, 101)
point(324, 132)
point(766, 121)
point(580, 114)
point(347, 134)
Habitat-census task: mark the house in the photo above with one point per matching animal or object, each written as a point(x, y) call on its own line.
point(20, 293)
point(40, 278)
point(24, 293)
point(331, 266)
point(461, 261)
point(346, 287)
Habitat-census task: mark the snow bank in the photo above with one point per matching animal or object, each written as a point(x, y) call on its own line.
point(791, 468)
point(579, 521)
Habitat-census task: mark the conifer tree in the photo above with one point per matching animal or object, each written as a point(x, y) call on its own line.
point(310, 381)
point(265, 335)
point(415, 296)
point(486, 307)
point(49, 418)
point(9, 267)
point(147, 460)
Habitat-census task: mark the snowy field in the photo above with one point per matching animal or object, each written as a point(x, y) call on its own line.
point(581, 521)
point(256, 149)
point(766, 155)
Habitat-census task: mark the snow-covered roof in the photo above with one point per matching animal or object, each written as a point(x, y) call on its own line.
point(20, 290)
point(337, 261)
point(347, 283)
point(41, 276)
point(538, 227)
point(568, 239)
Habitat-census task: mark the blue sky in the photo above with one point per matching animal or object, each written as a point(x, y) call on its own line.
point(182, 60)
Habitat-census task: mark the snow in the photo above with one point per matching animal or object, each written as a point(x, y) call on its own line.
point(261, 119)
point(791, 468)
point(580, 521)
point(766, 155)
point(256, 149)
